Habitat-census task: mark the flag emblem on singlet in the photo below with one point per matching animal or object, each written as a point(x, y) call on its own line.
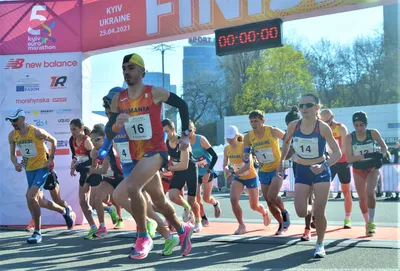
point(146, 95)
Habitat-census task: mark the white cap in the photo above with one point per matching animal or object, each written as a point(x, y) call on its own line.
point(231, 132)
point(15, 114)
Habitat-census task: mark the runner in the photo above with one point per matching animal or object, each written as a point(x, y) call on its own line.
point(185, 172)
point(138, 111)
point(110, 172)
point(265, 141)
point(30, 142)
point(341, 168)
point(120, 193)
point(244, 175)
point(81, 162)
point(362, 152)
point(292, 116)
point(310, 136)
point(53, 186)
point(206, 158)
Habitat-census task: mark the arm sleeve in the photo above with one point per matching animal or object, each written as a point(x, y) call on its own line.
point(108, 129)
point(175, 101)
point(214, 158)
point(105, 148)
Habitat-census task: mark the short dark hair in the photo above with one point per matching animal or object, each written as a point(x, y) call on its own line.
point(256, 114)
point(98, 129)
point(169, 123)
point(315, 97)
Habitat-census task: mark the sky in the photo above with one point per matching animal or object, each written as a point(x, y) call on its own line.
point(341, 27)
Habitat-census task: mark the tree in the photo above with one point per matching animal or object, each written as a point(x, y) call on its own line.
point(235, 67)
point(364, 74)
point(324, 66)
point(276, 81)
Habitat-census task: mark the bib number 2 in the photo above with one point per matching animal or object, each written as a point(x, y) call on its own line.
point(139, 127)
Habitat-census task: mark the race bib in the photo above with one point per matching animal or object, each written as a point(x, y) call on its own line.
point(82, 158)
point(28, 150)
point(363, 149)
point(110, 172)
point(124, 154)
point(202, 162)
point(328, 149)
point(237, 167)
point(265, 155)
point(306, 147)
point(139, 127)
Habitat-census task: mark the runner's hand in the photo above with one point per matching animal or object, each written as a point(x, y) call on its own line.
point(280, 171)
point(183, 143)
point(18, 167)
point(317, 169)
point(121, 119)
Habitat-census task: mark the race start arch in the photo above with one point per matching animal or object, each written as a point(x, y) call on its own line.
point(45, 49)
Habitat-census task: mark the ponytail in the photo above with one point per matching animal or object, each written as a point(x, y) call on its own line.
point(240, 138)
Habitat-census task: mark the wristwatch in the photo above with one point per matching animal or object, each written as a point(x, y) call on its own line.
point(186, 132)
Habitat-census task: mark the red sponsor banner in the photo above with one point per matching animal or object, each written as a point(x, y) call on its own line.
point(32, 27)
point(109, 23)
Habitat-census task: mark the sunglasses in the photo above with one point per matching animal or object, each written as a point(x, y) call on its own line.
point(14, 120)
point(306, 105)
point(95, 140)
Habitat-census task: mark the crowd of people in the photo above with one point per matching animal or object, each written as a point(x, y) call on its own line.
point(134, 160)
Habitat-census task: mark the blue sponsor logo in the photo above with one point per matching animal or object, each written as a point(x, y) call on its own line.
point(63, 111)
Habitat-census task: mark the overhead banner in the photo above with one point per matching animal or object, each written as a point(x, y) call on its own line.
point(109, 23)
point(29, 27)
point(48, 87)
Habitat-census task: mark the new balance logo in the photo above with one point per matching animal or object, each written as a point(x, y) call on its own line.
point(15, 63)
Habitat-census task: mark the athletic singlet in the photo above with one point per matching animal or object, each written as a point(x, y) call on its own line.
point(362, 147)
point(339, 140)
point(266, 149)
point(175, 154)
point(308, 146)
point(122, 142)
point(201, 155)
point(81, 152)
point(144, 128)
point(235, 157)
point(32, 149)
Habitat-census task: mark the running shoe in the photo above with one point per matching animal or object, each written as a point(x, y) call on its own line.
point(142, 248)
point(31, 226)
point(217, 210)
point(101, 232)
point(119, 225)
point(35, 238)
point(170, 244)
point(241, 230)
point(280, 230)
point(306, 236)
point(204, 222)
point(91, 234)
point(266, 218)
point(151, 226)
point(370, 229)
point(184, 238)
point(347, 224)
point(69, 218)
point(319, 251)
point(197, 227)
point(113, 215)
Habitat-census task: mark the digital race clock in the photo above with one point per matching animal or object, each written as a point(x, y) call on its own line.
point(248, 37)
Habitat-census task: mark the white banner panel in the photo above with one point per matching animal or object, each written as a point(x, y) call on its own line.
point(48, 87)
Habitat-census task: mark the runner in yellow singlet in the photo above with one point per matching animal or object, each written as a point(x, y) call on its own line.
point(264, 139)
point(244, 175)
point(30, 142)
